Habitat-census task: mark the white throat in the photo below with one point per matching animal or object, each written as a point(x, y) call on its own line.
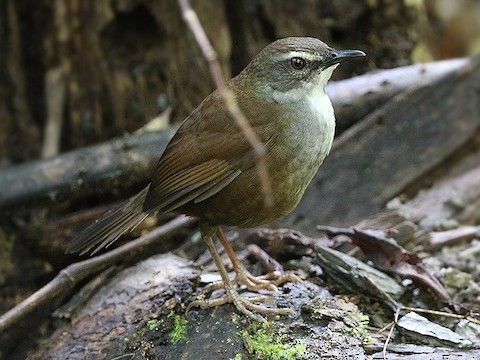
point(321, 105)
point(318, 99)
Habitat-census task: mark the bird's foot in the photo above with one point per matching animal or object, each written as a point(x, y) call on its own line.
point(270, 281)
point(247, 306)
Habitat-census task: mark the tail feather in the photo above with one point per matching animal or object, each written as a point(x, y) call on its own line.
point(106, 230)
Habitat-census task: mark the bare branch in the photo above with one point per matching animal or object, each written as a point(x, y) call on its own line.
point(73, 274)
point(55, 91)
point(228, 96)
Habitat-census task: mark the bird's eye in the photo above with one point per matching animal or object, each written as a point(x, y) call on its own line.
point(298, 63)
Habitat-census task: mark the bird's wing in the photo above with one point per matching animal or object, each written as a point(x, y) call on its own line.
point(203, 157)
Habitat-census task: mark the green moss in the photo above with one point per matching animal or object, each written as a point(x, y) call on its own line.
point(179, 332)
point(263, 343)
point(237, 357)
point(456, 279)
point(153, 325)
point(357, 324)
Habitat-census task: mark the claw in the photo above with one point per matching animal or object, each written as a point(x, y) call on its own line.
point(243, 304)
point(269, 282)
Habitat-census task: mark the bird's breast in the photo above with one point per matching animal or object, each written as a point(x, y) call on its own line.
point(301, 148)
point(308, 134)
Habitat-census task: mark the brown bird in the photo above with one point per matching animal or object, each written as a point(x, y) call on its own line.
point(208, 168)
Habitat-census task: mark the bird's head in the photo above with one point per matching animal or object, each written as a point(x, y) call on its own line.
point(293, 66)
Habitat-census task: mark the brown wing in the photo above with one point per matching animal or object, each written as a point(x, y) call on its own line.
point(206, 154)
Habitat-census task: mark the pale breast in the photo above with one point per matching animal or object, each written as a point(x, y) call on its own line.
point(322, 109)
point(306, 144)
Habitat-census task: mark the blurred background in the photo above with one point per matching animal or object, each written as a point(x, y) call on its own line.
point(73, 72)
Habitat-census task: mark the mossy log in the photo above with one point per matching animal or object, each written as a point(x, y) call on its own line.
point(134, 316)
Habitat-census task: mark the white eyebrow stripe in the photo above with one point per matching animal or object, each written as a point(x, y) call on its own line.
point(302, 54)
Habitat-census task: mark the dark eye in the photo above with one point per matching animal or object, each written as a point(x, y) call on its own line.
point(298, 63)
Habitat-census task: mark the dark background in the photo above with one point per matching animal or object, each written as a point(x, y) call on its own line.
point(104, 68)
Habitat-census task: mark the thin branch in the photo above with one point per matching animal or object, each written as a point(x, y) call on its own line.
point(441, 313)
point(55, 92)
point(388, 326)
point(387, 341)
point(228, 96)
point(73, 274)
point(267, 261)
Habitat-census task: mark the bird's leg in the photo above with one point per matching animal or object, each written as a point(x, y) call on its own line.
point(243, 304)
point(269, 281)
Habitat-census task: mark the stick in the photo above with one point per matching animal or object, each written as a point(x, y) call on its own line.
point(387, 341)
point(228, 96)
point(267, 261)
point(441, 313)
point(55, 91)
point(69, 277)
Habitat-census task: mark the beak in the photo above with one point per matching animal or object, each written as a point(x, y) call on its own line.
point(337, 56)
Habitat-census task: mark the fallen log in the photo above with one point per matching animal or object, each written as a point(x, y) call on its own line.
point(392, 149)
point(118, 164)
point(356, 97)
point(116, 321)
point(134, 316)
point(126, 163)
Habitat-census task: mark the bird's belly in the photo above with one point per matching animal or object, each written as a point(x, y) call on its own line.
point(295, 169)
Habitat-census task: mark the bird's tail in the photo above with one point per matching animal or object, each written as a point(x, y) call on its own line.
point(111, 226)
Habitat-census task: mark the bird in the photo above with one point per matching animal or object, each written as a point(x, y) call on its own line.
point(208, 169)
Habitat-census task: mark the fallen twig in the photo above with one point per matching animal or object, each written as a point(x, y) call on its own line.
point(438, 239)
point(267, 261)
point(69, 277)
point(387, 341)
point(440, 313)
